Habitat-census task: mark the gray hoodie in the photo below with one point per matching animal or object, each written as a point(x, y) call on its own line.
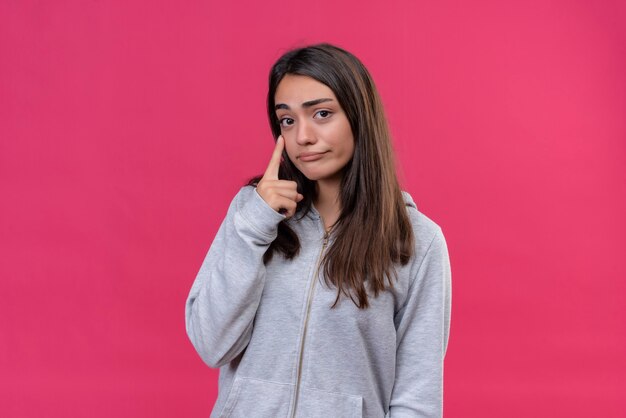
point(283, 352)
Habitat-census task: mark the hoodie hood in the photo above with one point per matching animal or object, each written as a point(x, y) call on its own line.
point(408, 200)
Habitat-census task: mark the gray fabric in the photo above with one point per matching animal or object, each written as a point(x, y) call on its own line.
point(247, 318)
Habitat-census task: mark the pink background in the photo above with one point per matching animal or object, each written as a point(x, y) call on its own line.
point(126, 127)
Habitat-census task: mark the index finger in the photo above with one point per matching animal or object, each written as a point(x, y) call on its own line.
point(272, 168)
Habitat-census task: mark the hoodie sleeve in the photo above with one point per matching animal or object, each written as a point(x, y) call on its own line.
point(224, 297)
point(423, 325)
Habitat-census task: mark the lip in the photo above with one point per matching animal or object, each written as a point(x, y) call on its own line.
point(311, 156)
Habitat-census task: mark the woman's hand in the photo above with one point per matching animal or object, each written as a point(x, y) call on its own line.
point(281, 195)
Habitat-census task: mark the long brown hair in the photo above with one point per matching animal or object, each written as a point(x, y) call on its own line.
point(373, 230)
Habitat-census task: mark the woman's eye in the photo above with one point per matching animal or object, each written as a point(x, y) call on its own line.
point(324, 113)
point(285, 122)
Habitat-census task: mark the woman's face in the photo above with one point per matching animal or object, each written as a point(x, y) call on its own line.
point(317, 133)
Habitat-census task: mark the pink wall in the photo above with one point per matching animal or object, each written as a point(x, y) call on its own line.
point(126, 127)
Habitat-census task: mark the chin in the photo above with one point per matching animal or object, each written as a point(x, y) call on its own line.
point(315, 176)
point(312, 177)
point(316, 173)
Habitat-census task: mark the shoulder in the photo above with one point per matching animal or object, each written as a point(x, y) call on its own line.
point(430, 243)
point(424, 228)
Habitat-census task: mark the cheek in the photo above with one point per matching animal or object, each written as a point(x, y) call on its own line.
point(346, 138)
point(351, 148)
point(349, 152)
point(348, 144)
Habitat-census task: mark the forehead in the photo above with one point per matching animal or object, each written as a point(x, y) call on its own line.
point(297, 89)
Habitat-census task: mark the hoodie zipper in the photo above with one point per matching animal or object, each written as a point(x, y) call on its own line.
point(306, 320)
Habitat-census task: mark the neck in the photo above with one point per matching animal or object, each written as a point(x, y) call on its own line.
point(327, 200)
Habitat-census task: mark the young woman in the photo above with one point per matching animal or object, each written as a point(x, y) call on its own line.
point(325, 292)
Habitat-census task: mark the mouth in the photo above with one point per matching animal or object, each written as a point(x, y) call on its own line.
point(311, 156)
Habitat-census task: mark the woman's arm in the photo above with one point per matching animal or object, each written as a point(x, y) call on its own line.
point(423, 326)
point(225, 295)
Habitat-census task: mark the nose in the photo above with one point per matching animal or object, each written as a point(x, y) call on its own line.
point(305, 133)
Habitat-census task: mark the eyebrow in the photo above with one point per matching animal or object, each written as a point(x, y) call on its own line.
point(305, 104)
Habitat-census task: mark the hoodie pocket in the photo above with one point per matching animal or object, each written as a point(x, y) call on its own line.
point(314, 403)
point(251, 397)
